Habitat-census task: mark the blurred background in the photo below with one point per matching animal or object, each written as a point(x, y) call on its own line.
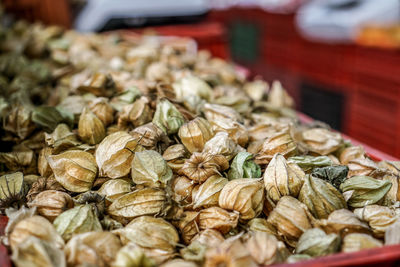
point(339, 59)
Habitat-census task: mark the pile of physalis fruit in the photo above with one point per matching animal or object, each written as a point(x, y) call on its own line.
point(144, 152)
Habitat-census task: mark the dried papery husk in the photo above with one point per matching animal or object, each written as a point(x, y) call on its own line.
point(235, 130)
point(151, 137)
point(291, 219)
point(157, 71)
point(97, 248)
point(278, 97)
point(188, 225)
point(150, 169)
point(316, 243)
point(51, 203)
point(239, 102)
point(364, 190)
point(393, 195)
point(36, 226)
point(208, 193)
point(191, 85)
point(131, 255)
point(361, 166)
point(182, 188)
point(243, 166)
point(393, 166)
point(91, 129)
point(261, 225)
point(168, 117)
point(266, 249)
point(218, 219)
point(245, 196)
point(155, 236)
point(35, 252)
point(200, 166)
point(378, 217)
point(146, 201)
point(321, 197)
point(18, 121)
point(356, 242)
point(222, 144)
point(263, 130)
point(102, 109)
point(61, 138)
point(115, 153)
point(343, 222)
point(350, 153)
point(74, 170)
point(214, 112)
point(281, 142)
point(195, 133)
point(24, 161)
point(231, 253)
point(209, 238)
point(80, 219)
point(256, 89)
point(322, 141)
point(42, 164)
point(392, 234)
point(179, 263)
point(99, 84)
point(175, 156)
point(13, 190)
point(115, 188)
point(42, 184)
point(280, 179)
point(135, 114)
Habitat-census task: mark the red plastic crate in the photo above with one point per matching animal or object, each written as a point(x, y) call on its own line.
point(48, 11)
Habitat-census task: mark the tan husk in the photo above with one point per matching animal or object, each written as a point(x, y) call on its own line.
point(322, 141)
point(266, 249)
point(195, 133)
point(201, 166)
point(115, 153)
point(343, 222)
point(378, 217)
point(291, 219)
point(356, 242)
point(208, 193)
point(75, 170)
point(245, 195)
point(36, 226)
point(218, 219)
point(51, 203)
point(36, 252)
point(188, 226)
point(146, 201)
point(231, 253)
point(155, 236)
point(281, 179)
point(97, 248)
point(90, 128)
point(115, 188)
point(281, 142)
